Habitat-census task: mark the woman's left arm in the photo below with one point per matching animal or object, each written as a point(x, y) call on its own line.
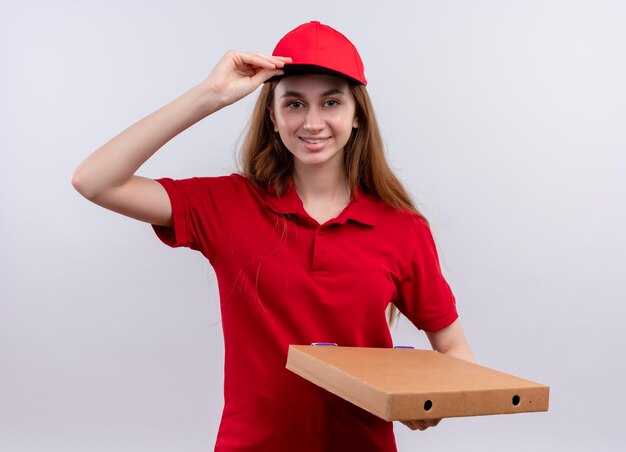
point(450, 341)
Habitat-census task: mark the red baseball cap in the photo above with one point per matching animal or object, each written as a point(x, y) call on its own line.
point(320, 49)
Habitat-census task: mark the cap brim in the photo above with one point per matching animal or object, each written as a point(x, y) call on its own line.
point(300, 69)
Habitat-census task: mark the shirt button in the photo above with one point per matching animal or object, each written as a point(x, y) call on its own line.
point(322, 232)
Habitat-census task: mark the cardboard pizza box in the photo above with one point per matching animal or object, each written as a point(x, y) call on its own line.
point(409, 384)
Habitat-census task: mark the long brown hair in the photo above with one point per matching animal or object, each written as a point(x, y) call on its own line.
point(266, 161)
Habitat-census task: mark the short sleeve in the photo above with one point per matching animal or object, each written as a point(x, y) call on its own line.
point(424, 295)
point(200, 210)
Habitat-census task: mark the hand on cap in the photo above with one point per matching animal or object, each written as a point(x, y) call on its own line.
point(422, 424)
point(238, 74)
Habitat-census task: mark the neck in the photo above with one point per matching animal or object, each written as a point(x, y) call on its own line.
point(321, 184)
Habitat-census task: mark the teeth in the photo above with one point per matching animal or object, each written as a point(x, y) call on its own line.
point(314, 141)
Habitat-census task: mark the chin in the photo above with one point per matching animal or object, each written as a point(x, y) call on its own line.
point(314, 161)
point(317, 159)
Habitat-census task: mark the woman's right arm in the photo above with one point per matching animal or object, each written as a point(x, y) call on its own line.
point(107, 177)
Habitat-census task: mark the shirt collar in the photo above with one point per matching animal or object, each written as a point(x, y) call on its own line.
point(361, 209)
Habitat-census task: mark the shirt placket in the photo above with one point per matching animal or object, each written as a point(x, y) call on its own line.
point(320, 250)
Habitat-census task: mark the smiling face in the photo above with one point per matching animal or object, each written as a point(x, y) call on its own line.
point(314, 115)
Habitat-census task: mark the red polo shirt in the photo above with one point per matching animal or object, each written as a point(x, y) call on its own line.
point(285, 279)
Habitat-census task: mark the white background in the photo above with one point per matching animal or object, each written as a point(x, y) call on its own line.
point(505, 119)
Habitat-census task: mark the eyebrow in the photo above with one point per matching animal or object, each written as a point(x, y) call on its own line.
point(329, 92)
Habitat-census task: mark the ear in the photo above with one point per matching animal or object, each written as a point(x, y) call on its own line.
point(355, 123)
point(273, 118)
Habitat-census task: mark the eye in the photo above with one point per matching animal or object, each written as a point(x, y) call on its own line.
point(294, 105)
point(331, 103)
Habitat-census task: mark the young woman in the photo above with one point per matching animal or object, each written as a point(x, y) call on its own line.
point(314, 242)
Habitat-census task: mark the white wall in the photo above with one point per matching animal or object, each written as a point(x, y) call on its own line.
point(505, 119)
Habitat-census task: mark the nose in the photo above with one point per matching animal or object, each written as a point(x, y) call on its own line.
point(313, 120)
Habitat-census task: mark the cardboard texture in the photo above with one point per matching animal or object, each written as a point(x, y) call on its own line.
point(409, 384)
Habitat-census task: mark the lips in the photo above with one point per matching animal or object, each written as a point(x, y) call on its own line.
point(312, 140)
